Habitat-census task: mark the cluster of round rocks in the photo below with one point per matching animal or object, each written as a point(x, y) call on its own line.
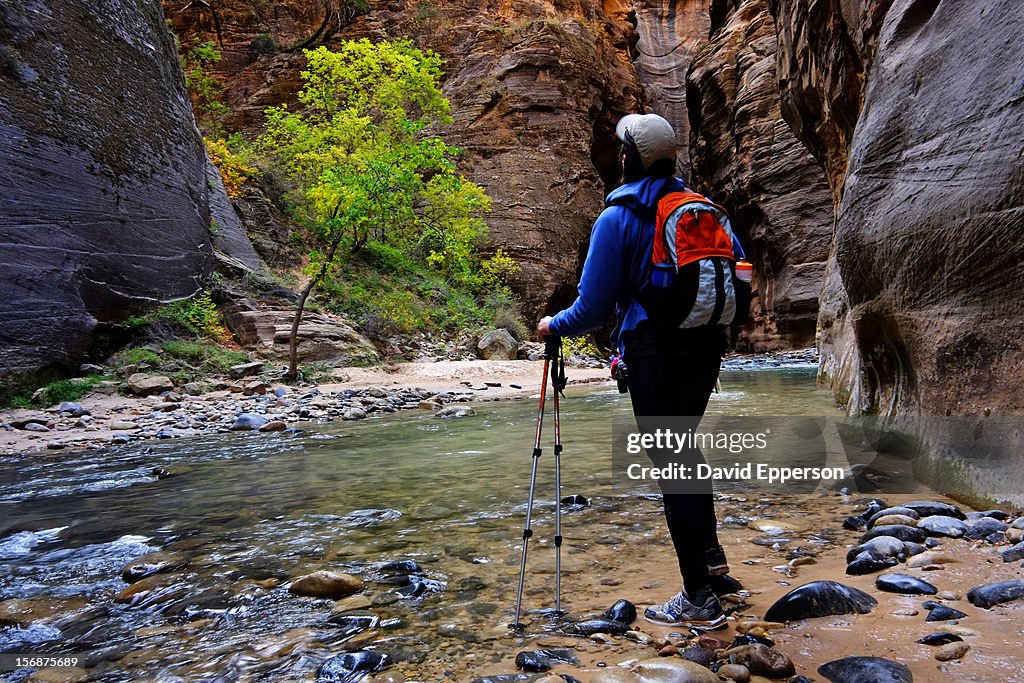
point(265, 409)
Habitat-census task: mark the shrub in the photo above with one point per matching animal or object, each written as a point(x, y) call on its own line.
point(233, 167)
point(509, 319)
point(263, 44)
point(580, 346)
point(203, 355)
point(67, 389)
point(198, 315)
point(139, 356)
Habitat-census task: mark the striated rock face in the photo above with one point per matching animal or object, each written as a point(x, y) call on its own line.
point(535, 89)
point(747, 158)
point(322, 338)
point(669, 34)
point(105, 207)
point(535, 109)
point(919, 314)
point(916, 313)
point(826, 48)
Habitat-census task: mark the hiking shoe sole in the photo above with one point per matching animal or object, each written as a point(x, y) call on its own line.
point(715, 624)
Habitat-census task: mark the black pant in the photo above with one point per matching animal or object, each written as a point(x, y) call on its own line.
point(672, 374)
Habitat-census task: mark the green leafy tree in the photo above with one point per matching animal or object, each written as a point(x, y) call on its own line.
point(366, 166)
point(204, 88)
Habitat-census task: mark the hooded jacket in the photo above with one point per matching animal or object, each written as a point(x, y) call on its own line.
point(618, 260)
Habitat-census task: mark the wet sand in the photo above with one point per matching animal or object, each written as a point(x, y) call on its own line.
point(646, 568)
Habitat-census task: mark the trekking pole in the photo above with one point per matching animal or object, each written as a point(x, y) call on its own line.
point(527, 531)
point(553, 349)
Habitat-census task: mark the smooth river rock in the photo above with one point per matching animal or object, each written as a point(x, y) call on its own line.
point(761, 660)
point(951, 651)
point(672, 670)
point(933, 508)
point(820, 599)
point(905, 584)
point(1013, 553)
point(326, 584)
point(351, 667)
point(996, 593)
point(623, 611)
point(894, 510)
point(588, 627)
point(902, 532)
point(865, 670)
point(942, 525)
point(543, 660)
point(248, 422)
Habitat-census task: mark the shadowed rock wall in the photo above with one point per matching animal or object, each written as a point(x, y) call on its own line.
point(747, 158)
point(104, 208)
point(669, 34)
point(916, 109)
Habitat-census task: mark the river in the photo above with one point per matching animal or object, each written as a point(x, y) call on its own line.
point(248, 512)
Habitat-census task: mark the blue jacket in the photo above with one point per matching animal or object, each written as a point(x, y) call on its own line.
point(618, 260)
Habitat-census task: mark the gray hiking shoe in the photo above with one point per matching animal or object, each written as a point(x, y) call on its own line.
point(679, 611)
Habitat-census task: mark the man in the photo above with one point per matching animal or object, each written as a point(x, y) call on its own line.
point(672, 371)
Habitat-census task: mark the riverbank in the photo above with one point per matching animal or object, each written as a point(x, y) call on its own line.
point(775, 544)
point(99, 420)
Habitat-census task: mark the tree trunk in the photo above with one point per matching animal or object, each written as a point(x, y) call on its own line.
point(293, 339)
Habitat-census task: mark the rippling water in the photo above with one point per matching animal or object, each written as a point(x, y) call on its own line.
point(250, 511)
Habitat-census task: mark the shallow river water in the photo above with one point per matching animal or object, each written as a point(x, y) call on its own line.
point(248, 513)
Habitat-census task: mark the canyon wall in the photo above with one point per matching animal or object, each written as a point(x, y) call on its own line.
point(747, 158)
point(916, 109)
point(105, 202)
point(535, 87)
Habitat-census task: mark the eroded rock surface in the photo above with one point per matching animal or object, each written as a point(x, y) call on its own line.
point(106, 204)
point(535, 92)
point(746, 157)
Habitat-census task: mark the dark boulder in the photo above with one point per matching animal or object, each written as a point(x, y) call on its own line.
point(543, 660)
point(939, 612)
point(1013, 553)
point(855, 524)
point(880, 546)
point(351, 667)
point(942, 525)
point(996, 593)
point(588, 627)
point(623, 611)
point(930, 508)
point(985, 527)
point(820, 599)
point(903, 583)
point(869, 563)
point(939, 638)
point(865, 670)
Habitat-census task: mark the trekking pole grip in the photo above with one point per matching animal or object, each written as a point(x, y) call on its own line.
point(552, 346)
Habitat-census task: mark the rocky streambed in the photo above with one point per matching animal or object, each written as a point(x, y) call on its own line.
point(388, 548)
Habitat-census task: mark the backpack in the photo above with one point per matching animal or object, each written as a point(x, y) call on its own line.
point(693, 266)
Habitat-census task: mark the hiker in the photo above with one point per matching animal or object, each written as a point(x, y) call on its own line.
point(672, 370)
